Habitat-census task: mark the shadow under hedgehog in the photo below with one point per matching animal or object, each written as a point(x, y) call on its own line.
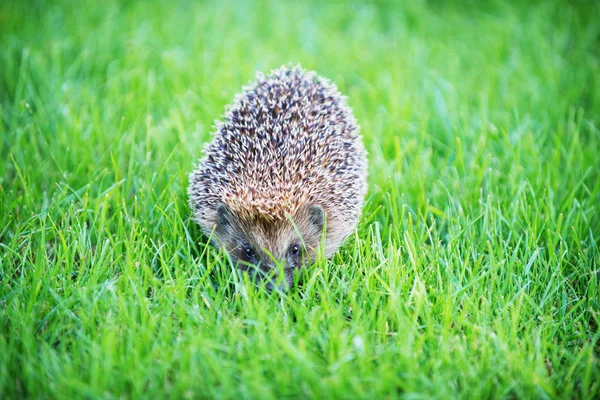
point(286, 164)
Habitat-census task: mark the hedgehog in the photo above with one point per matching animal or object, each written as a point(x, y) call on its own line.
point(284, 177)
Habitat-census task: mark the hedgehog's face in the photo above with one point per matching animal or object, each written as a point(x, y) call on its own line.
point(268, 249)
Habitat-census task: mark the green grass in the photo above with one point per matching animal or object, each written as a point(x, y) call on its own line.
point(474, 272)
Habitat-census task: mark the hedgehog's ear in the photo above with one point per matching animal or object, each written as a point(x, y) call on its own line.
point(316, 216)
point(224, 219)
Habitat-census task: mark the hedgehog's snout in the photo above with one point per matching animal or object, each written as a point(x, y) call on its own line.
point(277, 274)
point(274, 273)
point(268, 267)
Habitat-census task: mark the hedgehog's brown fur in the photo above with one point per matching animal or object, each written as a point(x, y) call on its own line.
point(288, 150)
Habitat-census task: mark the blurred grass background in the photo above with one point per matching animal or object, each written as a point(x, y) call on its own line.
point(474, 272)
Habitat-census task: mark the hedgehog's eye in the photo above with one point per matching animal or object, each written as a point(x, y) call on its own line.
point(249, 252)
point(294, 249)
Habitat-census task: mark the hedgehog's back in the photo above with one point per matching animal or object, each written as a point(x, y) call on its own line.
point(289, 139)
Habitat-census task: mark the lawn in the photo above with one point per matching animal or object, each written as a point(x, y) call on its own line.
point(475, 269)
